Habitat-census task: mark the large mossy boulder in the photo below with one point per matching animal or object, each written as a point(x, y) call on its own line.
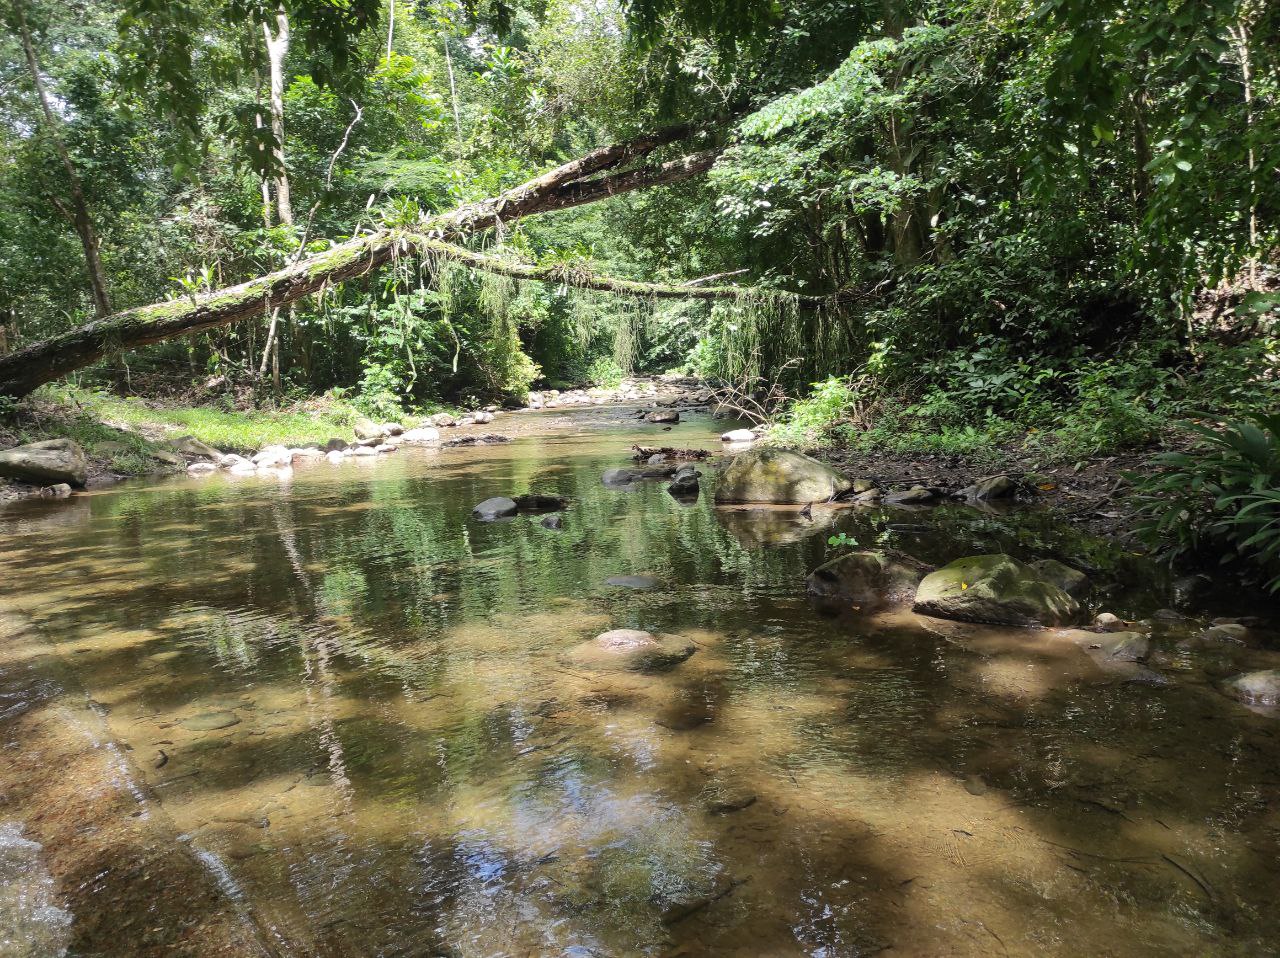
point(46, 463)
point(867, 579)
point(778, 476)
point(631, 650)
point(997, 589)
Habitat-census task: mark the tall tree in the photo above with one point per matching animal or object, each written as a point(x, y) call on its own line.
point(77, 213)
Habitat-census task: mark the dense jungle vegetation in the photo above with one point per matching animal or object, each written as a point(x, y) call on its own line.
point(957, 226)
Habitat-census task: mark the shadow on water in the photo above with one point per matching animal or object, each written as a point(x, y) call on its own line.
point(348, 703)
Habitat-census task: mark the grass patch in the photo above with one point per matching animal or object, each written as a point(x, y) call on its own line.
point(129, 436)
point(230, 431)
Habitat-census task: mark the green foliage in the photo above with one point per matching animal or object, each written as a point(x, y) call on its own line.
point(603, 371)
point(842, 541)
point(815, 419)
point(1222, 497)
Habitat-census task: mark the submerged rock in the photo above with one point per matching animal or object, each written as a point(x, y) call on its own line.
point(619, 477)
point(996, 589)
point(633, 581)
point(210, 721)
point(1122, 646)
point(631, 650)
point(1190, 589)
point(726, 798)
point(44, 463)
point(201, 469)
point(868, 578)
point(536, 502)
point(778, 476)
point(499, 507)
point(1256, 688)
point(663, 416)
point(552, 522)
point(59, 491)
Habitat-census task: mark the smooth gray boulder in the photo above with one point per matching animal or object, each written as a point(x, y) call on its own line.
point(367, 429)
point(421, 436)
point(993, 487)
point(1122, 646)
point(867, 579)
point(191, 446)
point(631, 650)
point(684, 485)
point(778, 476)
point(499, 507)
point(1256, 688)
point(46, 463)
point(915, 496)
point(996, 589)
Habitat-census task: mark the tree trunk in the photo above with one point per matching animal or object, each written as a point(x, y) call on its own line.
point(78, 215)
point(565, 186)
point(277, 48)
point(585, 279)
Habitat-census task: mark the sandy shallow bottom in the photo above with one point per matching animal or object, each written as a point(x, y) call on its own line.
point(336, 716)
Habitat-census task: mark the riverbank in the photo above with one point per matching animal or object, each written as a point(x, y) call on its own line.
point(130, 437)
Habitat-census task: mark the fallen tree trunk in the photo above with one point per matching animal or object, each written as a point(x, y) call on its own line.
point(583, 278)
point(568, 185)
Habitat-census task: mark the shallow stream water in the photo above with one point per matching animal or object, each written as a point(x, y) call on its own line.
point(331, 716)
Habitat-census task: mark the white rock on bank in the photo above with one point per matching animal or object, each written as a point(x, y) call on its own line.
point(422, 436)
point(273, 456)
point(738, 435)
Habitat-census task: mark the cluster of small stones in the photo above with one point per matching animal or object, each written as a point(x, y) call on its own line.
point(668, 391)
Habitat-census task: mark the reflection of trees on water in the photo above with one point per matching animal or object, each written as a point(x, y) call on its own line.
point(473, 798)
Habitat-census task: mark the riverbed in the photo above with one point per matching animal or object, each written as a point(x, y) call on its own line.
point(331, 714)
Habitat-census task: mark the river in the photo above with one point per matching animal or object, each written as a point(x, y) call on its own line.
point(332, 716)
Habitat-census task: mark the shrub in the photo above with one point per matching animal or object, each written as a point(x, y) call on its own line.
point(1221, 497)
point(604, 371)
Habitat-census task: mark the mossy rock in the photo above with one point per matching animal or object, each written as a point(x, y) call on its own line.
point(1071, 581)
point(997, 589)
point(779, 476)
point(868, 578)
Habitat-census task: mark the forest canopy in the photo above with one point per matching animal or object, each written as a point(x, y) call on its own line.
point(985, 216)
